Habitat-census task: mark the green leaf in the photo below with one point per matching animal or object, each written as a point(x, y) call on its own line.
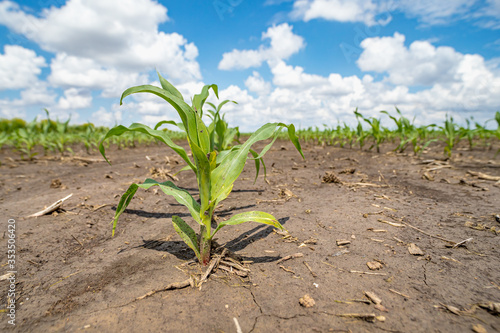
point(183, 109)
point(223, 103)
point(293, 138)
point(122, 205)
point(181, 196)
point(187, 234)
point(232, 163)
point(203, 177)
point(157, 134)
point(253, 216)
point(257, 161)
point(199, 99)
point(203, 134)
point(170, 122)
point(185, 168)
point(169, 87)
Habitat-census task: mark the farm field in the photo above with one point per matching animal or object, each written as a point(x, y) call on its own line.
point(369, 227)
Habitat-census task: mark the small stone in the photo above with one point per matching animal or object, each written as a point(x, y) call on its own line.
point(341, 242)
point(373, 265)
point(307, 301)
point(415, 250)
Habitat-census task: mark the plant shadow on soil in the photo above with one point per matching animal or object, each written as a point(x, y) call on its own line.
point(183, 252)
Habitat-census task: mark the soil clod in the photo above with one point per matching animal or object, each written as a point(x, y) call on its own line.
point(307, 301)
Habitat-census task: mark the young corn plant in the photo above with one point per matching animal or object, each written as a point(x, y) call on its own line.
point(215, 171)
point(26, 140)
point(451, 134)
point(497, 132)
point(224, 135)
point(361, 134)
point(404, 130)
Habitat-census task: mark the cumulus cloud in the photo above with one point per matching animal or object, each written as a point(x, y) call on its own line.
point(98, 46)
point(448, 82)
point(71, 71)
point(338, 10)
point(75, 99)
point(283, 44)
point(19, 67)
point(370, 12)
point(436, 12)
point(116, 33)
point(419, 64)
point(105, 118)
point(257, 84)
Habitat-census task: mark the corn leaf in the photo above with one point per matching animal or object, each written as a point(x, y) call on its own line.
point(181, 196)
point(199, 99)
point(122, 205)
point(169, 87)
point(187, 234)
point(183, 109)
point(232, 163)
point(157, 134)
point(253, 216)
point(171, 122)
point(203, 176)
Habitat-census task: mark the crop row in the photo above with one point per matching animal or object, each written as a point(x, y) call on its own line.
point(403, 134)
point(54, 136)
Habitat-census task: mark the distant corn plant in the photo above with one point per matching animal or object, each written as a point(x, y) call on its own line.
point(451, 135)
point(215, 171)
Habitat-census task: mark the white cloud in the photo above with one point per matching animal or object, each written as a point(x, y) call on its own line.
point(458, 84)
point(75, 99)
point(122, 34)
point(283, 44)
point(436, 12)
point(337, 10)
point(19, 67)
point(71, 71)
point(419, 64)
point(370, 12)
point(257, 84)
point(37, 94)
point(104, 118)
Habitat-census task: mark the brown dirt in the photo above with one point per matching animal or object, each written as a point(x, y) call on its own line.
point(72, 276)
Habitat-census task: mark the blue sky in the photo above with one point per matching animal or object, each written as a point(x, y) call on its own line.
point(310, 62)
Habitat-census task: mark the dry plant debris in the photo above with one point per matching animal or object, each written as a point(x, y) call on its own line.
point(56, 205)
point(330, 177)
point(483, 176)
point(478, 328)
point(373, 297)
point(349, 171)
point(292, 256)
point(369, 317)
point(162, 173)
point(56, 183)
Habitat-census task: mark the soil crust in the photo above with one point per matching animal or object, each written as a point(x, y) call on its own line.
point(376, 232)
